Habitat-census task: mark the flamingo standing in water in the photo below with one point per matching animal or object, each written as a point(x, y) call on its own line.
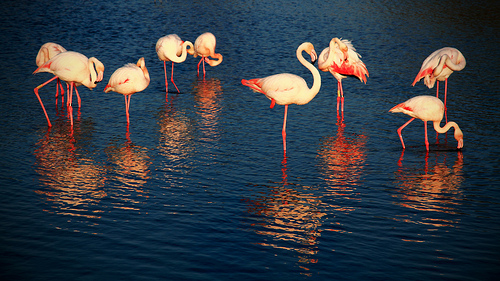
point(204, 46)
point(438, 67)
point(285, 88)
point(74, 68)
point(46, 52)
point(172, 48)
point(127, 80)
point(341, 60)
point(427, 108)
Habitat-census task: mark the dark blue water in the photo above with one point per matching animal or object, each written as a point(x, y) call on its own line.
point(198, 188)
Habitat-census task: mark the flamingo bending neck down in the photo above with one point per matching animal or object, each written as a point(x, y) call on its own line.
point(438, 66)
point(127, 80)
point(46, 52)
point(427, 108)
point(204, 46)
point(342, 60)
point(172, 48)
point(74, 68)
point(285, 88)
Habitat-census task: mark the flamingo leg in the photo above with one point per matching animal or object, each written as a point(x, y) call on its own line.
point(401, 129)
point(127, 106)
point(166, 80)
point(338, 94)
point(445, 92)
point(283, 132)
point(70, 100)
point(426, 140)
point(199, 66)
point(203, 68)
point(172, 78)
point(78, 96)
point(342, 95)
point(40, 100)
point(437, 89)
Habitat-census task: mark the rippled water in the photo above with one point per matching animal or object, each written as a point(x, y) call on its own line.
point(197, 188)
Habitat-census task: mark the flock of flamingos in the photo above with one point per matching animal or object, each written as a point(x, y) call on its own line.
point(340, 59)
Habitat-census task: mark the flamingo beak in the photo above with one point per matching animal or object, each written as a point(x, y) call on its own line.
point(314, 57)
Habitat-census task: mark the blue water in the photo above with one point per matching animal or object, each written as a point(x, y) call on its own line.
point(198, 188)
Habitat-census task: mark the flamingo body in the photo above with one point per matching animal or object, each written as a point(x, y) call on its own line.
point(172, 48)
point(342, 60)
point(427, 108)
point(127, 80)
point(74, 68)
point(440, 65)
point(204, 46)
point(46, 52)
point(285, 88)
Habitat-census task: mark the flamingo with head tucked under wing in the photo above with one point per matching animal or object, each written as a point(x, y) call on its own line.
point(204, 46)
point(74, 68)
point(438, 67)
point(172, 48)
point(342, 60)
point(46, 52)
point(127, 80)
point(285, 88)
point(427, 108)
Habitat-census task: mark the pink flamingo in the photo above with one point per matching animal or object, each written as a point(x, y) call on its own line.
point(285, 88)
point(172, 48)
point(341, 60)
point(127, 80)
point(427, 108)
point(46, 52)
point(74, 68)
point(204, 46)
point(439, 66)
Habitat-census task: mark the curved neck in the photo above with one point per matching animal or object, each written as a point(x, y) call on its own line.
point(182, 57)
point(313, 91)
point(446, 127)
point(446, 61)
point(214, 62)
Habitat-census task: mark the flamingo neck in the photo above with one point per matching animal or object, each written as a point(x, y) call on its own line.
point(446, 61)
point(313, 91)
point(182, 57)
point(214, 62)
point(447, 126)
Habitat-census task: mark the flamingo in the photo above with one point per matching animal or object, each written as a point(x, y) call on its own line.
point(427, 108)
point(172, 48)
point(46, 52)
point(286, 88)
point(439, 66)
point(341, 60)
point(127, 80)
point(74, 68)
point(204, 46)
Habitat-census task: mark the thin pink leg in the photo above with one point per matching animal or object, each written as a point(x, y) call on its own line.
point(283, 132)
point(339, 85)
point(166, 80)
point(40, 100)
point(78, 96)
point(127, 106)
point(445, 92)
point(203, 68)
point(342, 95)
point(426, 140)
point(437, 89)
point(199, 66)
point(172, 78)
point(401, 129)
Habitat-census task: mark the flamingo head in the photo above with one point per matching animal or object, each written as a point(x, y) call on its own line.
point(309, 48)
point(459, 136)
point(99, 67)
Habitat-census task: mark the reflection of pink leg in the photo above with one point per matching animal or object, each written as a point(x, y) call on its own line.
point(172, 78)
point(283, 132)
point(401, 129)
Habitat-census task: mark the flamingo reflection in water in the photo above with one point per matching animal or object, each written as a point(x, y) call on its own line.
point(435, 187)
point(131, 169)
point(71, 179)
point(290, 215)
point(208, 95)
